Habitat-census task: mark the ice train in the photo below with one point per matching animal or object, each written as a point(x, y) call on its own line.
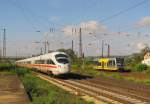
point(55, 63)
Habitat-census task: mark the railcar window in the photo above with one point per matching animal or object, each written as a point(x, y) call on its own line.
point(50, 62)
point(63, 60)
point(40, 62)
point(120, 61)
point(111, 63)
point(61, 55)
point(28, 62)
point(114, 63)
point(97, 63)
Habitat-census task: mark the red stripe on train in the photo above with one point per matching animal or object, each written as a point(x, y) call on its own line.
point(45, 65)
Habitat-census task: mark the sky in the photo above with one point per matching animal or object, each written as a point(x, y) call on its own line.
point(123, 24)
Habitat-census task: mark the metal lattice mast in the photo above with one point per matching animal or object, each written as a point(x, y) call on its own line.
point(80, 43)
point(4, 43)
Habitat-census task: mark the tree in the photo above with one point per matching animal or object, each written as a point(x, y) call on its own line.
point(136, 58)
point(144, 51)
point(70, 52)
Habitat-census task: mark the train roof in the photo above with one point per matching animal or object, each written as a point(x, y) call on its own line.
point(42, 57)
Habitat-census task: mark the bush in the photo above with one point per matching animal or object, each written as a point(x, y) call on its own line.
point(22, 71)
point(141, 67)
point(6, 66)
point(42, 92)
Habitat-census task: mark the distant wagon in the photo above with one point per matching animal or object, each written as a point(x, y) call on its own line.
point(52, 63)
point(112, 64)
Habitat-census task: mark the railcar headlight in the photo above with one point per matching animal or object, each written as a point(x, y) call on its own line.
point(59, 66)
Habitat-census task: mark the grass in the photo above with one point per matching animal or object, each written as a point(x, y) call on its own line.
point(88, 70)
point(42, 92)
point(6, 66)
point(45, 93)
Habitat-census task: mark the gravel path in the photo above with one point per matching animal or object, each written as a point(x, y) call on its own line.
point(12, 91)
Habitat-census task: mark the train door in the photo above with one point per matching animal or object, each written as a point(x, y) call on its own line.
point(112, 64)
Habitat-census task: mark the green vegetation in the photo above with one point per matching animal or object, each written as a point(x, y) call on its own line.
point(6, 66)
point(133, 61)
point(141, 67)
point(45, 93)
point(42, 92)
point(87, 69)
point(70, 52)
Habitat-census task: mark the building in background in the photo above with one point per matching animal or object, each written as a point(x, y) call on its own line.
point(146, 59)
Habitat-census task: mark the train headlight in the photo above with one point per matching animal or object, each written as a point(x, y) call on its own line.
point(59, 66)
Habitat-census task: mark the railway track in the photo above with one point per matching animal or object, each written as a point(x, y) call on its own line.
point(101, 91)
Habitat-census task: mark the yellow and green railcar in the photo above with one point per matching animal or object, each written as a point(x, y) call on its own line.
point(112, 64)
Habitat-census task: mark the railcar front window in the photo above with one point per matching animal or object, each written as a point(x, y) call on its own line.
point(61, 55)
point(120, 62)
point(64, 61)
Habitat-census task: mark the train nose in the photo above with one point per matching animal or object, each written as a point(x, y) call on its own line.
point(65, 68)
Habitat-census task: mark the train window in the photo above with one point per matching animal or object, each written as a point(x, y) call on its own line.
point(120, 61)
point(50, 62)
point(61, 55)
point(42, 61)
point(114, 63)
point(102, 64)
point(63, 60)
point(28, 62)
point(39, 61)
point(97, 63)
point(111, 63)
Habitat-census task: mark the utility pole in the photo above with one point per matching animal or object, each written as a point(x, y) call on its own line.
point(0, 49)
point(108, 50)
point(41, 51)
point(72, 45)
point(80, 43)
point(45, 42)
point(102, 48)
point(45, 46)
point(4, 43)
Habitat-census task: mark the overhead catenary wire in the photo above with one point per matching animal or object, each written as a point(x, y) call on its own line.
point(24, 13)
point(28, 15)
point(124, 10)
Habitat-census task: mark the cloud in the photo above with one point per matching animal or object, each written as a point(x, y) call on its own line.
point(68, 29)
point(143, 22)
point(93, 26)
point(87, 27)
point(54, 18)
point(141, 45)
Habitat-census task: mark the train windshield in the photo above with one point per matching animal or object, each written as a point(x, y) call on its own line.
point(120, 61)
point(61, 55)
point(62, 60)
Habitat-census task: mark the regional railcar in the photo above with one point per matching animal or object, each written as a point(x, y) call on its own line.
point(112, 64)
point(55, 63)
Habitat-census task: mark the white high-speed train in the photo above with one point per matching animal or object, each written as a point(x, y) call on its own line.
point(52, 63)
